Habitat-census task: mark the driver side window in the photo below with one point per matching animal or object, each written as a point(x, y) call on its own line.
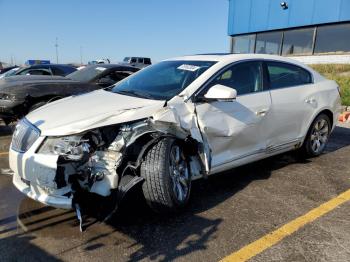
point(246, 77)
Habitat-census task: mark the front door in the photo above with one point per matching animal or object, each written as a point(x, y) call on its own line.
point(236, 129)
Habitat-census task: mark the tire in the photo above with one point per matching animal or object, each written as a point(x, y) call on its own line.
point(317, 137)
point(163, 177)
point(36, 106)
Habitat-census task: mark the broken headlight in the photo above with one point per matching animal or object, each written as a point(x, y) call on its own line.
point(72, 147)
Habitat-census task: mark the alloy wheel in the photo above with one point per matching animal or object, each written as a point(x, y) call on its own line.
point(319, 135)
point(179, 174)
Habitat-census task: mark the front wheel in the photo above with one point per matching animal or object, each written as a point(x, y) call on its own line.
point(167, 177)
point(317, 137)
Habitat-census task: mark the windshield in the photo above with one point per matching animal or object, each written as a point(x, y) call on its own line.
point(10, 72)
point(22, 70)
point(126, 59)
point(86, 74)
point(162, 81)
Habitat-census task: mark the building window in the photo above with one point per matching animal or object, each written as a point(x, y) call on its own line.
point(268, 43)
point(333, 39)
point(243, 44)
point(298, 42)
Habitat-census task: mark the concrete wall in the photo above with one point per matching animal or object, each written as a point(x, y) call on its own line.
point(323, 59)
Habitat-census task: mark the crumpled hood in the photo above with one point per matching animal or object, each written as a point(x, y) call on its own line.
point(77, 114)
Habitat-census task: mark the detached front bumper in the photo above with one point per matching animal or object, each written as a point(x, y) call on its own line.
point(34, 176)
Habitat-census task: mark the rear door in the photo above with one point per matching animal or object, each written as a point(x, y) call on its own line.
point(293, 103)
point(236, 130)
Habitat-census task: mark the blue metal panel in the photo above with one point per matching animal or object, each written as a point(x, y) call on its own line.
point(259, 15)
point(241, 19)
point(301, 16)
point(231, 15)
point(345, 10)
point(326, 11)
point(249, 16)
point(276, 17)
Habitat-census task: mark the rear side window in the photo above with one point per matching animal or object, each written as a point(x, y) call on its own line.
point(66, 70)
point(43, 72)
point(286, 75)
point(147, 61)
point(57, 71)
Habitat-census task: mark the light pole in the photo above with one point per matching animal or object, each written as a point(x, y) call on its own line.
point(56, 45)
point(81, 55)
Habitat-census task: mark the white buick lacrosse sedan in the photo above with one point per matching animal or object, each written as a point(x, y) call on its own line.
point(173, 122)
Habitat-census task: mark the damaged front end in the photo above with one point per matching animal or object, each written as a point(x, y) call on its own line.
point(105, 161)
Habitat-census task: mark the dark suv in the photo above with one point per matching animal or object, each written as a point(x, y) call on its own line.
point(139, 62)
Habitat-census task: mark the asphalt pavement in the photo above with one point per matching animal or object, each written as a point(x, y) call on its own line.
point(226, 213)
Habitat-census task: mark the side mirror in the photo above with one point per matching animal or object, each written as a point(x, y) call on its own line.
point(221, 93)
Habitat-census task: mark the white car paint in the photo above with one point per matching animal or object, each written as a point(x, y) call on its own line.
point(218, 91)
point(252, 127)
point(77, 114)
point(223, 121)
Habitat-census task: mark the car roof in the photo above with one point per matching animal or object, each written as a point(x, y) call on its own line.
point(218, 57)
point(229, 57)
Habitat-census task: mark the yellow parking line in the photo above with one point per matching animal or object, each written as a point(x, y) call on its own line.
point(4, 153)
point(255, 248)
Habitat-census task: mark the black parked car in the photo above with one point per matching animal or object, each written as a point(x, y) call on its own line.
point(50, 69)
point(22, 94)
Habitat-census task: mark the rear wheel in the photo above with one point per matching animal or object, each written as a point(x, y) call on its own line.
point(317, 136)
point(167, 177)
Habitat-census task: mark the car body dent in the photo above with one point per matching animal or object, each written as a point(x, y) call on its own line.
point(184, 116)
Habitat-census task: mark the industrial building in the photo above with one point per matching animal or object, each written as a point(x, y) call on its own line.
point(312, 31)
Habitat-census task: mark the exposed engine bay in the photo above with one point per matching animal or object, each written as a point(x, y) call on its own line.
point(105, 161)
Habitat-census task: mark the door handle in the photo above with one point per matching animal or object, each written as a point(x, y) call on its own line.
point(262, 112)
point(310, 100)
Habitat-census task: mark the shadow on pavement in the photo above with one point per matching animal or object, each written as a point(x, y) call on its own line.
point(340, 138)
point(20, 248)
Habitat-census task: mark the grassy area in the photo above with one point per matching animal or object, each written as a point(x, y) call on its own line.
point(339, 73)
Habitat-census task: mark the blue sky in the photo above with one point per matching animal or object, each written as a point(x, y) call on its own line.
point(111, 28)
